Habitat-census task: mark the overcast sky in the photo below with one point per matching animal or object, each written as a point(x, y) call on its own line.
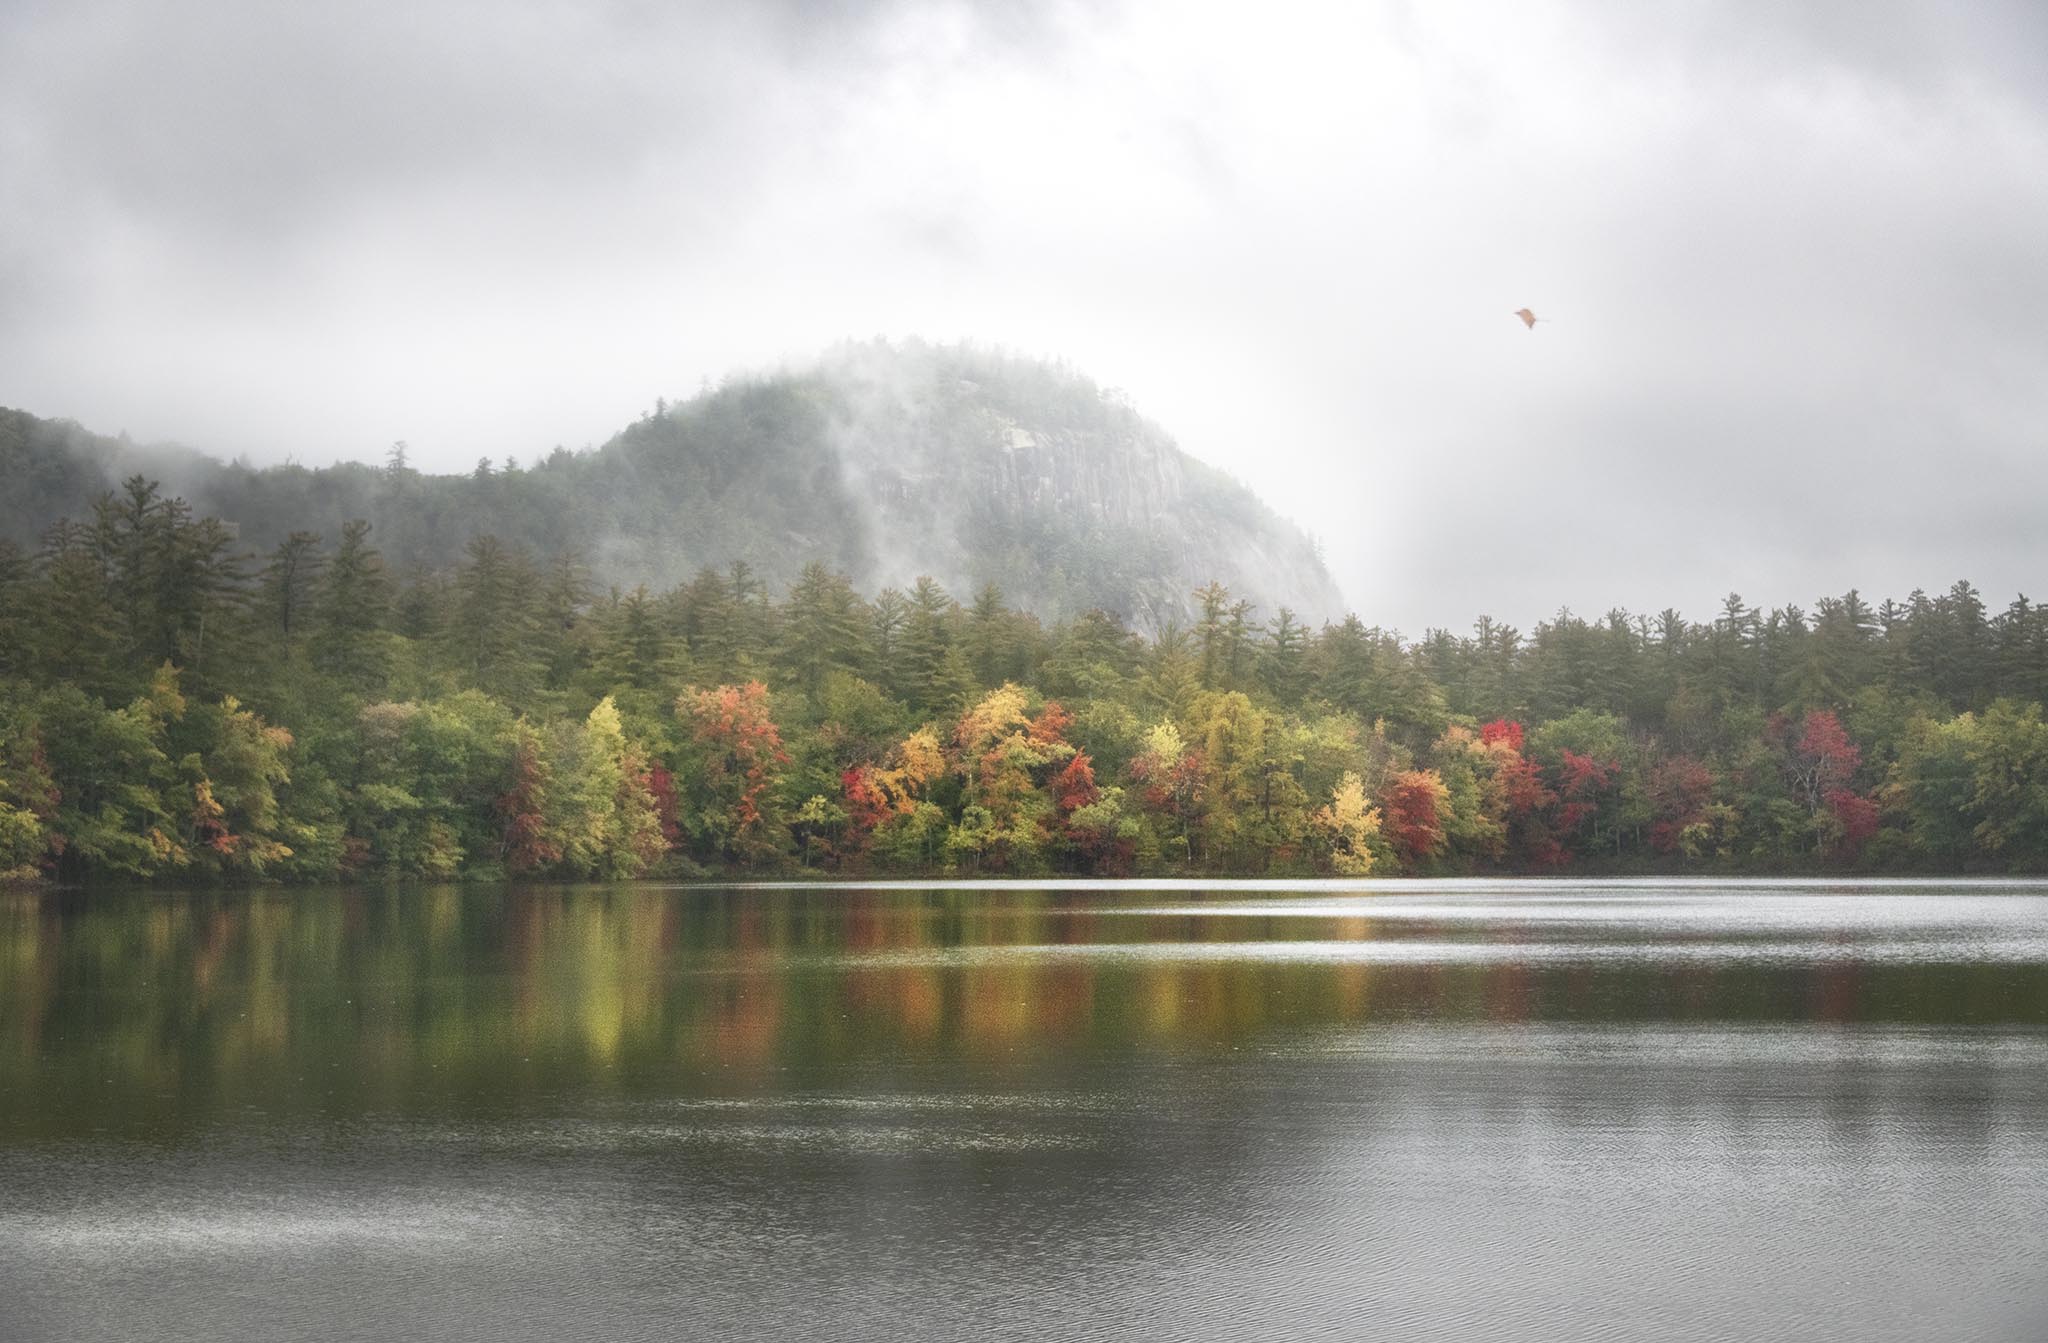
point(1796, 255)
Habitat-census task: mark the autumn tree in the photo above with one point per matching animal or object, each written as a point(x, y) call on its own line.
point(235, 820)
point(1820, 764)
point(608, 821)
point(528, 842)
point(1169, 779)
point(1004, 755)
point(166, 711)
point(736, 755)
point(1413, 808)
point(1254, 807)
point(1681, 791)
point(1347, 825)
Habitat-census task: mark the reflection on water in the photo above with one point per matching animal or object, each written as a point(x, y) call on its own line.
point(1434, 1110)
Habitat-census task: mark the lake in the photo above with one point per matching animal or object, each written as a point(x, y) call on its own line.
point(1402, 1110)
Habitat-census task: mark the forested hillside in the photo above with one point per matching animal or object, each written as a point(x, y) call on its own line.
point(171, 706)
point(883, 462)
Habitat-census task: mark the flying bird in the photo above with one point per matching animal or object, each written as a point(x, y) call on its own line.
point(1528, 318)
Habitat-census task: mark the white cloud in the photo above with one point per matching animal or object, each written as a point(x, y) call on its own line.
point(1792, 260)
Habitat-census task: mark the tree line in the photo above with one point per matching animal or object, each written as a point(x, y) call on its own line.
point(171, 707)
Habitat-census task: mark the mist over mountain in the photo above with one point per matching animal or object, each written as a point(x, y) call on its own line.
point(884, 461)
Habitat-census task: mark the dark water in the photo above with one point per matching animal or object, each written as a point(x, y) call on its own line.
point(1405, 1111)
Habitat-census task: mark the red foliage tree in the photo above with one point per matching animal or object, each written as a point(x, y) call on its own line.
point(1823, 759)
point(1581, 780)
point(1522, 790)
point(1074, 787)
point(522, 828)
point(1519, 797)
point(1680, 788)
point(1051, 724)
point(1412, 812)
point(661, 786)
point(744, 745)
point(1856, 814)
point(1502, 730)
point(867, 807)
point(739, 752)
point(639, 795)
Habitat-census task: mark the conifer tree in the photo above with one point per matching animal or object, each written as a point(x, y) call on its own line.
point(349, 614)
point(290, 581)
point(824, 629)
point(491, 634)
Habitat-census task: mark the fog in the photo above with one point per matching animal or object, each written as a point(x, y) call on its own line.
point(1789, 262)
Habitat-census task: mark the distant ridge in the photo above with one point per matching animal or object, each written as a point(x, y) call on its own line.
point(884, 461)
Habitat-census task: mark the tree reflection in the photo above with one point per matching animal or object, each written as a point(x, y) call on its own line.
point(150, 1009)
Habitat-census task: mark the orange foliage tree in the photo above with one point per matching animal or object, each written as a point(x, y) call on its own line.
point(738, 755)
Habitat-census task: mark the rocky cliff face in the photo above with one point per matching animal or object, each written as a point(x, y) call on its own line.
point(977, 468)
point(883, 461)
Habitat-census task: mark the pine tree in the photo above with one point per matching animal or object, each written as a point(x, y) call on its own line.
point(935, 673)
point(824, 629)
point(74, 628)
point(290, 581)
point(891, 617)
point(491, 636)
point(1210, 633)
point(349, 613)
point(1282, 664)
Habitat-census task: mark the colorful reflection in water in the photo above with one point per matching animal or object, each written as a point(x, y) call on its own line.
point(1414, 1110)
point(145, 1010)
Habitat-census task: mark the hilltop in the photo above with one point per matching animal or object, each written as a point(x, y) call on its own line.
point(883, 461)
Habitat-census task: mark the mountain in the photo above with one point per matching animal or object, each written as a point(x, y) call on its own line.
point(884, 461)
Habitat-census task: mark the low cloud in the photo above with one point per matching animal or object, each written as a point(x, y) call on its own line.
point(1789, 259)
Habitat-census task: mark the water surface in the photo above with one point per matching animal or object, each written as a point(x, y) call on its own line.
point(1159, 1110)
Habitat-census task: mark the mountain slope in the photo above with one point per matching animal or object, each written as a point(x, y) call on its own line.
point(882, 461)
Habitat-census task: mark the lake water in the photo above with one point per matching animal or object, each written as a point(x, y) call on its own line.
point(1456, 1110)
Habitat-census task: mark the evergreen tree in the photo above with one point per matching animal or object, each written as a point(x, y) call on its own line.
point(1282, 668)
point(289, 584)
point(891, 620)
point(935, 674)
point(824, 630)
point(492, 632)
point(633, 648)
point(349, 612)
point(73, 620)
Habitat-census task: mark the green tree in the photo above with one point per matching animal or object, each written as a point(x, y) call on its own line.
point(608, 825)
point(824, 630)
point(289, 586)
point(493, 633)
point(348, 622)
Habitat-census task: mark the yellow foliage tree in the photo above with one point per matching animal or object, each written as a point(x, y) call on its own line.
point(999, 752)
point(1348, 824)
